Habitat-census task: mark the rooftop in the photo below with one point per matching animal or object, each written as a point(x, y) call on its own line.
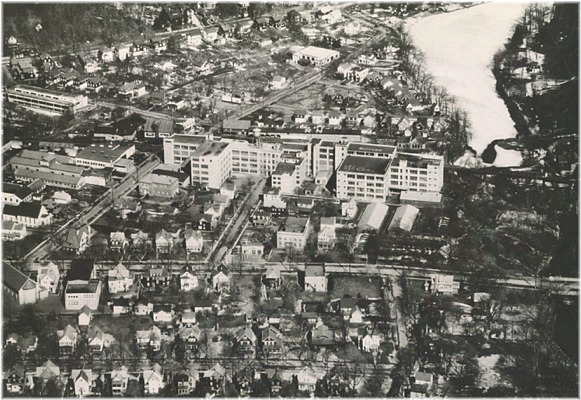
point(294, 225)
point(14, 278)
point(317, 52)
point(370, 148)
point(284, 168)
point(104, 153)
point(367, 165)
point(81, 269)
point(20, 191)
point(315, 270)
point(210, 148)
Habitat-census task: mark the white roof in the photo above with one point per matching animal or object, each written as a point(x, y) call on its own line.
point(404, 218)
point(318, 52)
point(373, 216)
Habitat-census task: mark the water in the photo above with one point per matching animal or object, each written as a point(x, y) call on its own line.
point(458, 49)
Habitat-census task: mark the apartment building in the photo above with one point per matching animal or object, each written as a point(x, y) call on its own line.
point(46, 100)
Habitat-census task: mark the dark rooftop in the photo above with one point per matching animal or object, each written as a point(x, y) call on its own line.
point(81, 269)
point(368, 165)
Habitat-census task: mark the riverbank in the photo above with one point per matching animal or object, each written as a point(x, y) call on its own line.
point(458, 49)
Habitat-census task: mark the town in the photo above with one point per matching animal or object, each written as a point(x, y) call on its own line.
point(260, 199)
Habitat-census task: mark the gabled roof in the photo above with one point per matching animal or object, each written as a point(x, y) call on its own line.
point(48, 370)
point(81, 269)
point(246, 332)
point(30, 210)
point(69, 332)
point(74, 235)
point(15, 280)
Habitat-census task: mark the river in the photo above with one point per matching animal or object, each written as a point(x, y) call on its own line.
point(458, 48)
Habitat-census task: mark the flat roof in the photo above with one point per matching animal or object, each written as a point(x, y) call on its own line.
point(317, 52)
point(159, 179)
point(210, 148)
point(104, 152)
point(43, 91)
point(294, 225)
point(189, 139)
point(367, 165)
point(47, 176)
point(284, 168)
point(371, 148)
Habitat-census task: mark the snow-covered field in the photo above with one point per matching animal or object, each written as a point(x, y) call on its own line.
point(458, 48)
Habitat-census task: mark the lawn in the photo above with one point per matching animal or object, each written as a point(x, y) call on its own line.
point(355, 286)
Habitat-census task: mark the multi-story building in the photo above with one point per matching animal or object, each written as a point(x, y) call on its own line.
point(83, 288)
point(45, 99)
point(363, 178)
point(52, 169)
point(317, 56)
point(159, 185)
point(323, 156)
point(289, 174)
point(416, 173)
point(179, 148)
point(254, 159)
point(293, 233)
point(15, 194)
point(211, 164)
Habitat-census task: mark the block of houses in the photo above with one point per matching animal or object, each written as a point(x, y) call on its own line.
point(67, 340)
point(77, 239)
point(188, 278)
point(119, 279)
point(83, 380)
point(153, 380)
point(163, 313)
point(18, 285)
point(315, 278)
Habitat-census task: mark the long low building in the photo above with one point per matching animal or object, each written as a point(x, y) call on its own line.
point(46, 100)
point(101, 156)
point(317, 56)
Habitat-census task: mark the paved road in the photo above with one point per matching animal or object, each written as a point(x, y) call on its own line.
point(101, 206)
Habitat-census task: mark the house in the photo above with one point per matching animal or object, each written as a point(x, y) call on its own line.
point(95, 84)
point(95, 339)
point(194, 38)
point(77, 239)
point(185, 382)
point(293, 233)
point(188, 278)
point(243, 381)
point(47, 371)
point(352, 27)
point(194, 241)
point(370, 343)
point(159, 185)
point(315, 278)
point(272, 278)
point(122, 52)
point(14, 379)
point(356, 316)
point(85, 316)
point(326, 237)
point(422, 384)
point(121, 306)
point(83, 380)
point(163, 313)
point(346, 306)
point(106, 54)
point(300, 116)
point(132, 90)
point(143, 307)
point(12, 231)
point(164, 241)
point(67, 340)
point(349, 209)
point(23, 289)
point(246, 341)
point(278, 82)
point(334, 117)
point(321, 336)
point(14, 194)
point(119, 279)
point(214, 378)
point(210, 34)
point(31, 214)
point(307, 379)
point(228, 189)
point(188, 317)
point(149, 338)
point(318, 117)
point(25, 344)
point(119, 381)
point(158, 128)
point(118, 241)
point(236, 126)
point(250, 250)
point(153, 380)
point(156, 278)
point(271, 341)
point(220, 278)
point(261, 218)
point(48, 276)
point(203, 305)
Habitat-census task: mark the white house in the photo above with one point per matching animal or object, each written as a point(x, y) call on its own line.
point(83, 380)
point(153, 380)
point(48, 276)
point(188, 279)
point(370, 343)
point(162, 313)
point(188, 317)
point(315, 278)
point(307, 379)
point(85, 316)
point(220, 279)
point(194, 241)
point(326, 237)
point(349, 209)
point(119, 279)
point(31, 215)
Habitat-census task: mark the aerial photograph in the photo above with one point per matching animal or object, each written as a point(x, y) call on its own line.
point(290, 199)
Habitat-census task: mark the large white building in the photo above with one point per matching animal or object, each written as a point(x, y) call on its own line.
point(289, 174)
point(179, 148)
point(99, 155)
point(293, 233)
point(317, 56)
point(46, 100)
point(83, 288)
point(211, 164)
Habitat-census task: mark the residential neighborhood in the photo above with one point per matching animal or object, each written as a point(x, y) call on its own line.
point(248, 199)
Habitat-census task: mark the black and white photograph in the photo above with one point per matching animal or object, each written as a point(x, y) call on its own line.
point(290, 199)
